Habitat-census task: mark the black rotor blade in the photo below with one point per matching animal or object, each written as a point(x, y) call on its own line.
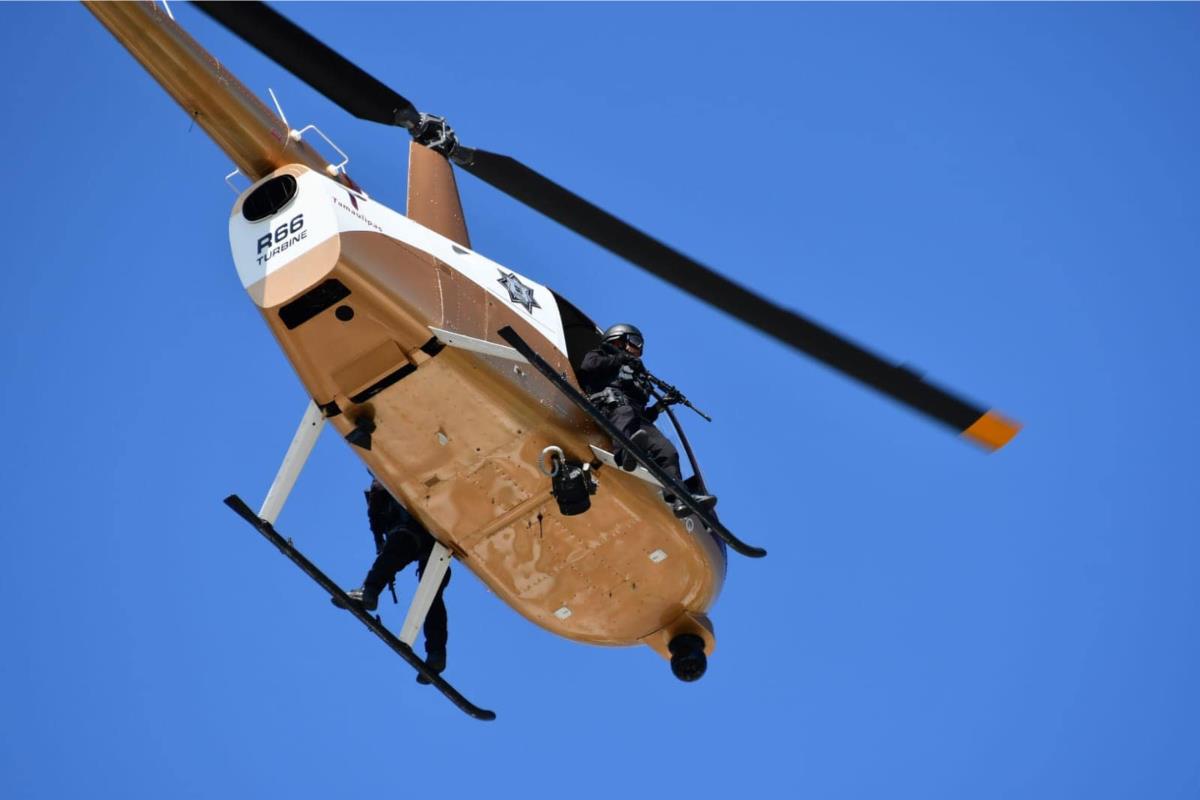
point(313, 62)
point(535, 190)
point(365, 97)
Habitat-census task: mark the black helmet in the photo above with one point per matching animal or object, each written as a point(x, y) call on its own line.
point(624, 330)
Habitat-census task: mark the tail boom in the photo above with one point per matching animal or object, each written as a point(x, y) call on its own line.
point(255, 138)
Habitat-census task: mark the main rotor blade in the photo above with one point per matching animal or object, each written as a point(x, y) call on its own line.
point(367, 98)
point(313, 62)
point(987, 428)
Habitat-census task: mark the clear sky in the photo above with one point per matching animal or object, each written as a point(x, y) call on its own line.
point(1003, 196)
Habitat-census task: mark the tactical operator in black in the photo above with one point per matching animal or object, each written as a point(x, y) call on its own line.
point(404, 540)
point(612, 376)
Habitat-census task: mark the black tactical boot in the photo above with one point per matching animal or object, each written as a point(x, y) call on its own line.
point(436, 661)
point(625, 460)
point(706, 501)
point(364, 597)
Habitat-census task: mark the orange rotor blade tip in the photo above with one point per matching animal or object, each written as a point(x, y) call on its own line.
point(992, 431)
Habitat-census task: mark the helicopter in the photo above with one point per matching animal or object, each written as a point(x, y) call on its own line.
point(453, 377)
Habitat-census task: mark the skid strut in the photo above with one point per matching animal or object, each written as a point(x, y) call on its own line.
point(435, 570)
point(293, 461)
point(676, 487)
point(427, 589)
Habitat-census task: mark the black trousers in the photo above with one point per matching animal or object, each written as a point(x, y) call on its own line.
point(401, 548)
point(658, 446)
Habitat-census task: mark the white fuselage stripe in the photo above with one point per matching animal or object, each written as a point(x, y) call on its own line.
point(316, 195)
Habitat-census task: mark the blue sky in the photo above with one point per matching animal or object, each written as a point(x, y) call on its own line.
point(1004, 196)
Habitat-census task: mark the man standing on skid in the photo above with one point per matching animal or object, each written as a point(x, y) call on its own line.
point(404, 541)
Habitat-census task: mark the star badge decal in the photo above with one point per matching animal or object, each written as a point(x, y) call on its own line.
point(518, 292)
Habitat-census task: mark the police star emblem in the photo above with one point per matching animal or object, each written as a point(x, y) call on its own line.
point(518, 292)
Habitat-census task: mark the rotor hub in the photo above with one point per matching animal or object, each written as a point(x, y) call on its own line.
point(436, 134)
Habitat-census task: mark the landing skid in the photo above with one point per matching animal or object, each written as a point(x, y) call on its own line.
point(439, 560)
point(372, 622)
point(650, 465)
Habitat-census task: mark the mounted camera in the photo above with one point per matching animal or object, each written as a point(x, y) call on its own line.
point(573, 483)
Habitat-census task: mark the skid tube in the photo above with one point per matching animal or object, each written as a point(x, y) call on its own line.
point(677, 488)
point(371, 621)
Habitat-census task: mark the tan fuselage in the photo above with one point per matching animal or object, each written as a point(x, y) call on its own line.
point(458, 434)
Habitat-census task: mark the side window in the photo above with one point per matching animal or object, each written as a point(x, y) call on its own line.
point(579, 331)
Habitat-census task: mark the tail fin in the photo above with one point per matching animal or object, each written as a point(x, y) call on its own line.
point(433, 194)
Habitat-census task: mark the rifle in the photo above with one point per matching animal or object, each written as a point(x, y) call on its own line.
point(670, 393)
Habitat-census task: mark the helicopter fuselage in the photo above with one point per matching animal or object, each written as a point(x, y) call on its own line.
point(358, 297)
point(458, 429)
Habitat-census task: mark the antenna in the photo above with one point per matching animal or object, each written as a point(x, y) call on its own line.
point(278, 107)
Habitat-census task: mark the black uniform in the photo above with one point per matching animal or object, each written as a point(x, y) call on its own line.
point(405, 541)
point(609, 376)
